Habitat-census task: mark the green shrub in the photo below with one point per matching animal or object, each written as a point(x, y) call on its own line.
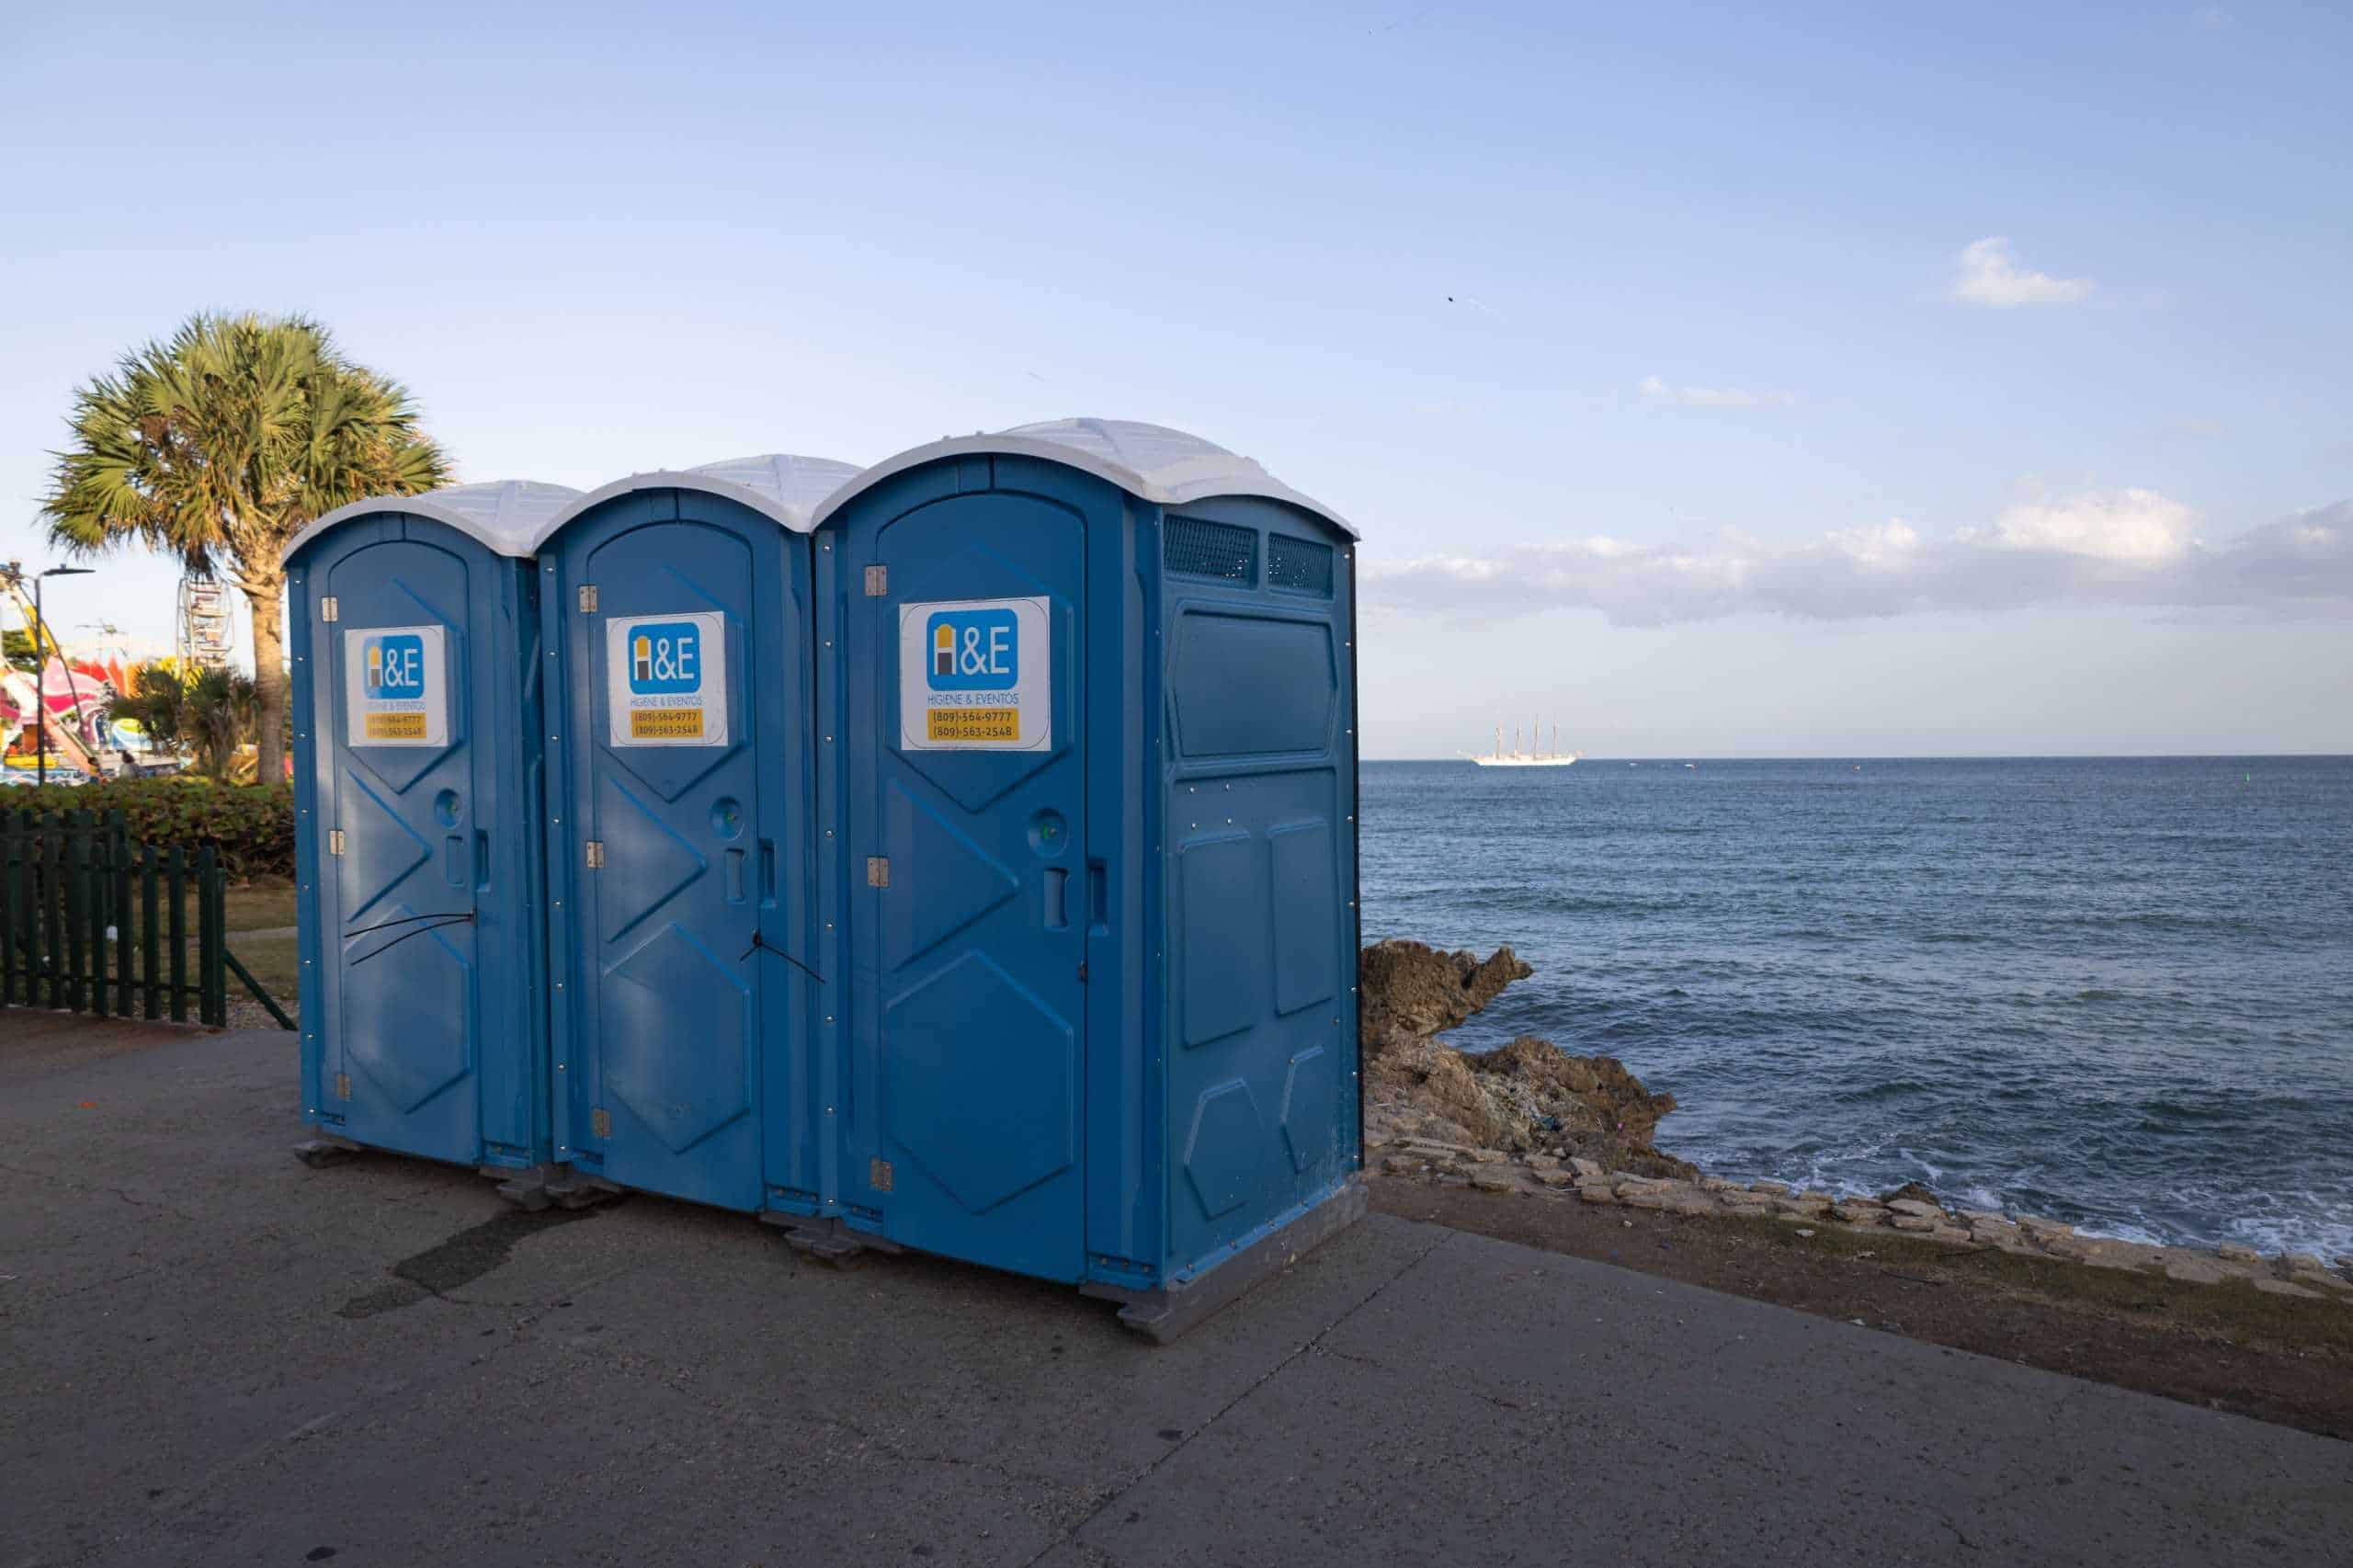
point(251, 826)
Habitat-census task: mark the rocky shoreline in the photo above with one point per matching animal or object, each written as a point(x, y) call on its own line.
point(1533, 1120)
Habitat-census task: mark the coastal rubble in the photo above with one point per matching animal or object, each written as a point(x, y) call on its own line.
point(1529, 1098)
point(1533, 1120)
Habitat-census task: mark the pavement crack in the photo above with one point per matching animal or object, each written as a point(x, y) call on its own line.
point(70, 1185)
point(1311, 1346)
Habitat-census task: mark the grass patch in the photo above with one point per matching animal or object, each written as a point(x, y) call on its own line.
point(276, 961)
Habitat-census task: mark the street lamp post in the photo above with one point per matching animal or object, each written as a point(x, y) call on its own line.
point(40, 670)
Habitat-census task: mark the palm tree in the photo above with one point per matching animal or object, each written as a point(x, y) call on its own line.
point(210, 712)
point(218, 446)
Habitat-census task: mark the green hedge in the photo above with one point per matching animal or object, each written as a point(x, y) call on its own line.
point(251, 825)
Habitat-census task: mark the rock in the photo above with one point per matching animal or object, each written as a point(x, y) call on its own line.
point(1555, 1179)
point(1398, 1165)
point(1627, 1183)
point(1491, 1181)
point(1585, 1167)
point(1543, 1162)
point(1488, 1158)
point(1918, 1208)
point(1772, 1188)
point(1856, 1214)
point(2295, 1262)
point(2042, 1230)
point(2232, 1253)
point(1914, 1192)
point(1916, 1223)
point(1718, 1184)
point(2283, 1288)
point(1804, 1207)
point(1740, 1203)
point(1676, 1200)
point(1409, 989)
point(1597, 1192)
point(2191, 1269)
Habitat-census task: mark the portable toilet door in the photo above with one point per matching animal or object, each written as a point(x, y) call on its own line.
point(678, 828)
point(417, 844)
point(1091, 829)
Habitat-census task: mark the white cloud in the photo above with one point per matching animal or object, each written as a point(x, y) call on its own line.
point(1987, 274)
point(2138, 526)
point(2122, 547)
point(1658, 390)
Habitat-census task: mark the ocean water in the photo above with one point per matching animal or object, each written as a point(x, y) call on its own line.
point(2113, 992)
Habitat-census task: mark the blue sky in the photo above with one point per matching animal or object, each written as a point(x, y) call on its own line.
point(1836, 379)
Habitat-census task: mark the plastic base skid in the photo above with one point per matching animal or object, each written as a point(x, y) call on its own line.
point(1167, 1312)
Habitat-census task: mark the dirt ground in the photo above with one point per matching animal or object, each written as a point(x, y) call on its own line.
point(2227, 1347)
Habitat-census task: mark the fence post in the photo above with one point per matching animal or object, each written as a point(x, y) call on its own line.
point(176, 884)
point(10, 876)
point(148, 934)
point(212, 908)
point(119, 849)
point(94, 900)
point(52, 903)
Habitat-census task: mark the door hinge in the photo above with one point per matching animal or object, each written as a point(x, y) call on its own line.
point(600, 1123)
point(335, 841)
point(596, 848)
point(877, 871)
point(587, 598)
point(878, 581)
point(328, 610)
point(878, 1176)
point(343, 1085)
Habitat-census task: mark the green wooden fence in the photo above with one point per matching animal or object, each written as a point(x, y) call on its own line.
point(93, 922)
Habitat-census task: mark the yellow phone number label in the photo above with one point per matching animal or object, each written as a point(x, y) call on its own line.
point(395, 726)
point(979, 724)
point(665, 723)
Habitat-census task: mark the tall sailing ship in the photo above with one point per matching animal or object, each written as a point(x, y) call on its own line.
point(1516, 758)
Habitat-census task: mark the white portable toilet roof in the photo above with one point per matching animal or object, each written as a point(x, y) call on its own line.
point(1151, 461)
point(502, 515)
point(783, 486)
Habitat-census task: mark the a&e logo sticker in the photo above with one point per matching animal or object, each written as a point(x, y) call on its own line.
point(666, 680)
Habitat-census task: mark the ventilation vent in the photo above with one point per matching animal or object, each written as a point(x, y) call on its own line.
point(1210, 550)
point(1301, 565)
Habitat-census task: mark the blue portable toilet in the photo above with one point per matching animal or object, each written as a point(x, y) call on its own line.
point(1087, 693)
point(679, 828)
point(416, 692)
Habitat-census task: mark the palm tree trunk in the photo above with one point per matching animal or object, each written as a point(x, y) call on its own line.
point(262, 591)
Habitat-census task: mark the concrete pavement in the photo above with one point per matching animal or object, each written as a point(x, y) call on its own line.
point(211, 1354)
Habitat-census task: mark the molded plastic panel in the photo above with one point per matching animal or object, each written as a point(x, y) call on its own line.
point(1222, 954)
point(424, 1029)
point(966, 990)
point(1248, 685)
point(683, 1023)
point(1307, 914)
